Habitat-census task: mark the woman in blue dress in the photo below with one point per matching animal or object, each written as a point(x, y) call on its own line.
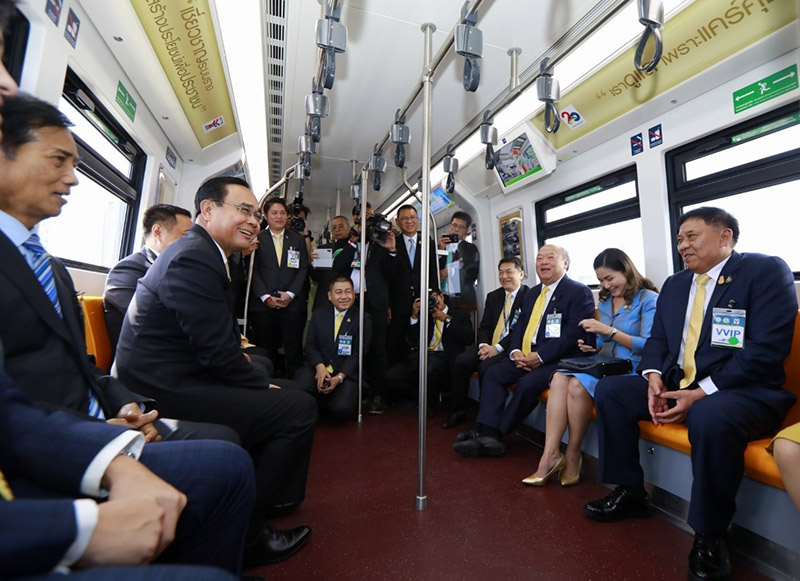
point(627, 303)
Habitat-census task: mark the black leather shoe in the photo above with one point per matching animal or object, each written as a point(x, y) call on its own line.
point(479, 447)
point(470, 434)
point(621, 503)
point(709, 558)
point(273, 546)
point(378, 406)
point(280, 510)
point(454, 419)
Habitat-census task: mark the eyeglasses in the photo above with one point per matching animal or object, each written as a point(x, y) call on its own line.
point(247, 210)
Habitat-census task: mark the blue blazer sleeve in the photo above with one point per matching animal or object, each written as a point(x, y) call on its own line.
point(647, 310)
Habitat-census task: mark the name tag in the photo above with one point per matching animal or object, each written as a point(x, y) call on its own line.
point(552, 329)
point(345, 346)
point(356, 263)
point(727, 328)
point(293, 259)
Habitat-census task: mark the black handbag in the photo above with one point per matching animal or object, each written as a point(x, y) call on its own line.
point(596, 365)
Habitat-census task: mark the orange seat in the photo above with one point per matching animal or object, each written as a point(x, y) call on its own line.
point(97, 341)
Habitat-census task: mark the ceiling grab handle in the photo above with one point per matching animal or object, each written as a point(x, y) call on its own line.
point(549, 92)
point(651, 15)
point(489, 138)
point(469, 44)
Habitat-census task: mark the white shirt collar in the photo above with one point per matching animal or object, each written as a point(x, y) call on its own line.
point(714, 271)
point(14, 230)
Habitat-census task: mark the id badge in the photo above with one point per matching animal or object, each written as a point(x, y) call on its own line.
point(552, 329)
point(727, 328)
point(345, 346)
point(293, 258)
point(356, 263)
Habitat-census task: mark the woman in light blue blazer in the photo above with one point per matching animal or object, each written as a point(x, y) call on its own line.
point(625, 315)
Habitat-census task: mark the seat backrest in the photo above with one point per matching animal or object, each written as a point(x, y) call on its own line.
point(792, 368)
point(97, 342)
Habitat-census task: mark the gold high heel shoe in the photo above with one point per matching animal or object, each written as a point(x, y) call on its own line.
point(571, 480)
point(534, 480)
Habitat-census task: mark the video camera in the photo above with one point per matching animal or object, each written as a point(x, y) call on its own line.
point(378, 228)
point(433, 300)
point(296, 208)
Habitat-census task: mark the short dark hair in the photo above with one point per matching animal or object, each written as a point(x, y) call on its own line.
point(215, 189)
point(615, 259)
point(406, 207)
point(513, 260)
point(22, 116)
point(462, 216)
point(716, 217)
point(6, 11)
point(166, 214)
point(340, 278)
point(357, 208)
point(342, 217)
point(272, 201)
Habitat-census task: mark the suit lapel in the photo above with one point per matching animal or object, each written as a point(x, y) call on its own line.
point(720, 294)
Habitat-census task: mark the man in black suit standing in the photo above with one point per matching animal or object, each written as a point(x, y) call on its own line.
point(332, 352)
point(41, 323)
point(714, 360)
point(546, 332)
point(277, 300)
point(404, 285)
point(163, 224)
point(180, 343)
point(340, 230)
point(459, 270)
point(380, 270)
point(500, 314)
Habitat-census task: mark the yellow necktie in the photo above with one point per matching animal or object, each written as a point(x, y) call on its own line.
point(501, 321)
point(533, 322)
point(437, 336)
point(337, 324)
point(693, 334)
point(5, 489)
point(278, 247)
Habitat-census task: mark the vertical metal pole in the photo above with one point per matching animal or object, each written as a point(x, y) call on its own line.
point(513, 81)
point(362, 303)
point(427, 104)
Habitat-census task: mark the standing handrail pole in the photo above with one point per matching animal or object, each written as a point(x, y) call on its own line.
point(427, 106)
point(362, 303)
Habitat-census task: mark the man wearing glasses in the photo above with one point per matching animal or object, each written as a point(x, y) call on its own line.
point(180, 344)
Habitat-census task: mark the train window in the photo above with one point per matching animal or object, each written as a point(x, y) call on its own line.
point(600, 214)
point(751, 170)
point(103, 206)
point(16, 41)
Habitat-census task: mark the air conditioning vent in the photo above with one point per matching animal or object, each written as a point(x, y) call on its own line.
point(275, 66)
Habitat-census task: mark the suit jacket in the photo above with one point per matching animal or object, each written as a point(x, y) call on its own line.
point(46, 354)
point(575, 302)
point(761, 285)
point(405, 282)
point(120, 286)
point(180, 332)
point(469, 256)
point(269, 277)
point(493, 308)
point(381, 267)
point(321, 347)
point(455, 336)
point(47, 452)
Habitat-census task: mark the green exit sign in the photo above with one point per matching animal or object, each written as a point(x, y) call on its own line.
point(126, 101)
point(766, 89)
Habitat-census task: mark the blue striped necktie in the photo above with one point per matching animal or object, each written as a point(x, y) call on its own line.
point(44, 272)
point(42, 269)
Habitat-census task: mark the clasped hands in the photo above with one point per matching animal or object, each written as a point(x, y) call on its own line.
point(658, 401)
point(526, 362)
point(322, 376)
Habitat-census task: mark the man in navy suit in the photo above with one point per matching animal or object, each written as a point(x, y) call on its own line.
point(546, 332)
point(500, 313)
point(332, 351)
point(163, 224)
point(714, 360)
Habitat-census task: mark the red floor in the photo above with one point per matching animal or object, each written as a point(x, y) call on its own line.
point(481, 522)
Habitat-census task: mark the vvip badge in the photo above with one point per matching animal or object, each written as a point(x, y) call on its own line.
point(727, 328)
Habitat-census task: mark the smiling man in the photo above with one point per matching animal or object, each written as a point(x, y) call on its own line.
point(180, 343)
point(727, 392)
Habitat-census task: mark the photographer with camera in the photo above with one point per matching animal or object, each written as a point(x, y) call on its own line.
point(380, 268)
point(278, 304)
point(449, 333)
point(458, 270)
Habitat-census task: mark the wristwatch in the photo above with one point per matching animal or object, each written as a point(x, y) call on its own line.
point(340, 377)
point(448, 319)
point(613, 332)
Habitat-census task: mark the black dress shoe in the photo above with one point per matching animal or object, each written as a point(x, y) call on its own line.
point(454, 419)
point(280, 510)
point(273, 545)
point(468, 435)
point(622, 503)
point(479, 447)
point(709, 558)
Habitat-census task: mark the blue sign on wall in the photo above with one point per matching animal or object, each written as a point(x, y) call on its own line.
point(637, 144)
point(53, 10)
point(655, 136)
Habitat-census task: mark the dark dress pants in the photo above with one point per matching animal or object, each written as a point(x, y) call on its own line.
point(403, 378)
point(276, 328)
point(340, 404)
point(378, 361)
point(464, 365)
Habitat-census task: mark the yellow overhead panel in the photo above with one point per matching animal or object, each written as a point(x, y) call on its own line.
point(697, 38)
point(182, 34)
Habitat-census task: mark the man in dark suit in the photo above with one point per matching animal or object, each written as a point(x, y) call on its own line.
point(714, 360)
point(332, 352)
point(462, 263)
point(277, 301)
point(163, 224)
point(181, 325)
point(340, 229)
point(500, 313)
point(449, 332)
point(404, 285)
point(546, 332)
point(54, 466)
point(41, 323)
